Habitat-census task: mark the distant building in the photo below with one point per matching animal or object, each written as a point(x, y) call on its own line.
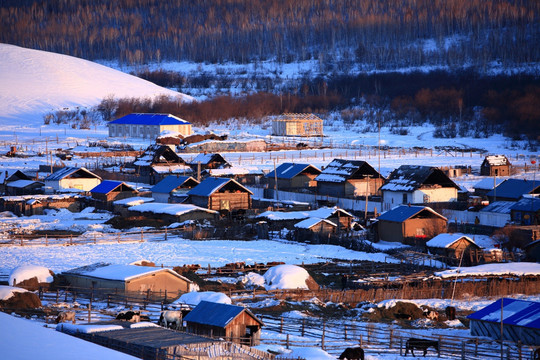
point(72, 178)
point(173, 186)
point(292, 176)
point(297, 125)
point(221, 194)
point(109, 191)
point(148, 126)
point(495, 165)
point(513, 190)
point(455, 247)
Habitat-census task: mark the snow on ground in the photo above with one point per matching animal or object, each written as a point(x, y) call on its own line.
point(26, 272)
point(7, 292)
point(194, 298)
point(286, 277)
point(25, 339)
point(516, 269)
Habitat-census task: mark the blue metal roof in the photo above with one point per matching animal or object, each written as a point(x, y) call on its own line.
point(515, 312)
point(290, 170)
point(404, 212)
point(514, 188)
point(527, 204)
point(212, 184)
point(150, 119)
point(106, 186)
point(169, 183)
point(69, 171)
point(215, 314)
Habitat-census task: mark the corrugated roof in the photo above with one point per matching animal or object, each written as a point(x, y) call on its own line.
point(290, 170)
point(514, 188)
point(488, 183)
point(527, 204)
point(150, 119)
point(69, 171)
point(107, 186)
point(501, 207)
point(412, 177)
point(215, 314)
point(514, 312)
point(170, 183)
point(310, 222)
point(446, 240)
point(404, 212)
point(212, 184)
point(340, 170)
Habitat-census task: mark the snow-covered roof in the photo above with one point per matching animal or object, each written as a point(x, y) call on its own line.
point(205, 159)
point(501, 207)
point(289, 170)
point(514, 188)
point(411, 177)
point(212, 184)
point(69, 171)
point(11, 174)
point(22, 183)
point(235, 170)
point(527, 204)
point(216, 314)
point(493, 269)
point(132, 201)
point(193, 298)
point(39, 197)
point(150, 119)
point(446, 240)
point(122, 272)
point(514, 312)
point(310, 222)
point(340, 170)
point(173, 169)
point(321, 213)
point(404, 212)
point(496, 160)
point(169, 209)
point(488, 183)
point(170, 183)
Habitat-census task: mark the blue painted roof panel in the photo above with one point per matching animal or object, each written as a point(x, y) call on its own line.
point(513, 188)
point(401, 213)
point(150, 119)
point(214, 314)
point(168, 184)
point(515, 312)
point(288, 170)
point(106, 186)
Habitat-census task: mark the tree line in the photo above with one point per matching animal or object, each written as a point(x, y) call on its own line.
point(377, 34)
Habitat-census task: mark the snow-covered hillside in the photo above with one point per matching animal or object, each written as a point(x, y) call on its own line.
point(36, 82)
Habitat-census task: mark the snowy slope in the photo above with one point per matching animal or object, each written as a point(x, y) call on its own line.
point(36, 82)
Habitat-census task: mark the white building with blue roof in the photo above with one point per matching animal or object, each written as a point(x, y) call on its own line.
point(148, 126)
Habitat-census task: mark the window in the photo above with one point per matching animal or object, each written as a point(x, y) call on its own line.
point(404, 199)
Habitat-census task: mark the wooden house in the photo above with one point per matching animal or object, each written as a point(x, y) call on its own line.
point(519, 321)
point(532, 251)
point(526, 211)
point(414, 184)
point(513, 190)
point(221, 194)
point(109, 191)
point(495, 165)
point(485, 185)
point(128, 278)
point(288, 219)
point(290, 124)
point(234, 323)
point(148, 126)
point(173, 188)
point(28, 205)
point(410, 224)
point(454, 247)
point(78, 178)
point(158, 161)
point(208, 161)
point(315, 229)
point(8, 176)
point(24, 187)
point(171, 213)
point(245, 175)
point(349, 178)
point(293, 177)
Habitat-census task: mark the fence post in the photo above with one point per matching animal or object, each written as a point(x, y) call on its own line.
point(303, 326)
point(440, 346)
point(165, 233)
point(519, 349)
point(142, 238)
point(463, 350)
point(281, 326)
point(21, 240)
point(323, 333)
point(287, 345)
point(46, 240)
point(400, 346)
point(108, 300)
point(57, 296)
point(345, 332)
point(391, 338)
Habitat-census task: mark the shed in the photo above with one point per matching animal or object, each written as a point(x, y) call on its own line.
point(24, 187)
point(455, 247)
point(495, 165)
point(289, 219)
point(145, 125)
point(236, 323)
point(415, 184)
point(78, 178)
point(513, 190)
point(291, 176)
point(314, 229)
point(221, 194)
point(208, 161)
point(128, 278)
point(173, 187)
point(290, 124)
point(485, 185)
point(520, 320)
point(28, 205)
point(8, 176)
point(349, 178)
point(532, 251)
point(526, 211)
point(108, 191)
point(410, 224)
point(172, 212)
point(157, 161)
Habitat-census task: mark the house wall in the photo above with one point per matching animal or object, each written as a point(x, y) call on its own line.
point(297, 127)
point(160, 197)
point(160, 281)
point(85, 184)
point(358, 187)
point(331, 188)
point(434, 195)
point(498, 170)
point(390, 231)
point(302, 181)
point(423, 229)
point(235, 201)
point(146, 131)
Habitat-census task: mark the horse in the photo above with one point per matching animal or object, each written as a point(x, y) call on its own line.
point(421, 344)
point(170, 317)
point(129, 315)
point(355, 353)
point(65, 316)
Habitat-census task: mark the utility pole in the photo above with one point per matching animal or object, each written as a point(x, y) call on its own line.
point(367, 196)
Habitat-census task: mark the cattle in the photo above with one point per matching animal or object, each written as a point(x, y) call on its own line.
point(432, 315)
point(170, 317)
point(129, 315)
point(355, 353)
point(65, 316)
point(421, 344)
point(450, 313)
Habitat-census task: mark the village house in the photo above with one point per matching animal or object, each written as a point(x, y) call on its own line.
point(121, 207)
point(173, 189)
point(9, 176)
point(513, 190)
point(314, 230)
point(290, 124)
point(293, 177)
point(245, 175)
point(24, 187)
point(213, 146)
point(519, 319)
point(208, 161)
point(221, 194)
point(532, 251)
point(484, 186)
point(28, 205)
point(158, 161)
point(78, 178)
point(414, 184)
point(108, 191)
point(288, 219)
point(454, 248)
point(147, 125)
point(171, 213)
point(107, 278)
point(495, 165)
point(231, 322)
point(349, 178)
point(410, 224)
point(526, 211)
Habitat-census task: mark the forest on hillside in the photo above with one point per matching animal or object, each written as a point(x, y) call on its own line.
point(379, 34)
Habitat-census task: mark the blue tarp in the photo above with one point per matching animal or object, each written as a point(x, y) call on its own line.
point(515, 312)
